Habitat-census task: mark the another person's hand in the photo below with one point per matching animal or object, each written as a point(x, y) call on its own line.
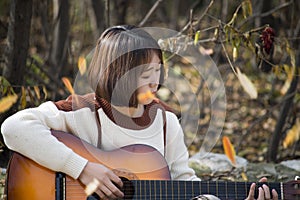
point(263, 192)
point(109, 182)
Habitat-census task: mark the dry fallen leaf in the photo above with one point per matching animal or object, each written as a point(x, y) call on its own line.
point(247, 84)
point(293, 135)
point(229, 150)
point(290, 71)
point(68, 85)
point(7, 102)
point(82, 65)
point(144, 97)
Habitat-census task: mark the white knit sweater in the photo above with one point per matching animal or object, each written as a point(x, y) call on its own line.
point(28, 132)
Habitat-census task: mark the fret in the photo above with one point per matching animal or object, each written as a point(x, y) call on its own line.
point(246, 188)
point(143, 185)
point(217, 189)
point(208, 192)
point(203, 187)
point(193, 192)
point(165, 188)
point(200, 188)
point(151, 191)
point(172, 189)
point(185, 193)
point(182, 189)
point(160, 190)
point(197, 188)
point(235, 190)
point(226, 190)
point(176, 191)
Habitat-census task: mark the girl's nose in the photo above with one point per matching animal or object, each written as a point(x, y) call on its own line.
point(152, 85)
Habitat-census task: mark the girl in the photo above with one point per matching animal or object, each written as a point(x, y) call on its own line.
point(125, 72)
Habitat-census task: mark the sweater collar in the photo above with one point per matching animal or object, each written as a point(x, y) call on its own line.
point(136, 123)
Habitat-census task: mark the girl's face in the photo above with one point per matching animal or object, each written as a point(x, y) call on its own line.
point(149, 80)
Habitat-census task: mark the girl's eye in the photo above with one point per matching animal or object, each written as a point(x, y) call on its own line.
point(145, 77)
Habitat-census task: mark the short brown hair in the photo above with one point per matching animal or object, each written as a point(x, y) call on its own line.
point(121, 49)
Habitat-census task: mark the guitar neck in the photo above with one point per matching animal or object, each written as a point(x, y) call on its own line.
point(162, 189)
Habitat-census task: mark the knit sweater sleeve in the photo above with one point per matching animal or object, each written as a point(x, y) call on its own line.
point(28, 132)
point(176, 151)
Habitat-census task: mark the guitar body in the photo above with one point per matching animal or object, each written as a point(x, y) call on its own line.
point(28, 180)
point(144, 172)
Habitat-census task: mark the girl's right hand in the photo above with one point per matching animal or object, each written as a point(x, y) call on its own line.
point(109, 182)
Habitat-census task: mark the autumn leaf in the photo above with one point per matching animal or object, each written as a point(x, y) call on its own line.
point(82, 65)
point(68, 85)
point(7, 102)
point(23, 98)
point(45, 92)
point(293, 135)
point(144, 97)
point(196, 37)
point(234, 54)
point(229, 150)
point(290, 71)
point(247, 8)
point(247, 85)
point(37, 91)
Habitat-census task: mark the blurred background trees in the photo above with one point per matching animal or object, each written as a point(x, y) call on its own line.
point(42, 41)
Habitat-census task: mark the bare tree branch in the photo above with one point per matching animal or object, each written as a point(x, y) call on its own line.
point(150, 13)
point(261, 15)
point(200, 18)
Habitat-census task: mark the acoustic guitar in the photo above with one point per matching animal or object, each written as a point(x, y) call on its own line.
point(144, 172)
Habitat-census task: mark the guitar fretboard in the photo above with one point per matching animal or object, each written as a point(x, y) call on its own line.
point(181, 190)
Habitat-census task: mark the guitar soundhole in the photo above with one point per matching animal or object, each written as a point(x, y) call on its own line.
point(128, 190)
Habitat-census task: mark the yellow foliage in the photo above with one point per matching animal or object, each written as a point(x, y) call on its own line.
point(229, 150)
point(293, 135)
point(290, 71)
point(82, 65)
point(7, 102)
point(68, 85)
point(37, 92)
point(144, 97)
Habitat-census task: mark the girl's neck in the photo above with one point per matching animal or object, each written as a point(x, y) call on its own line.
point(131, 111)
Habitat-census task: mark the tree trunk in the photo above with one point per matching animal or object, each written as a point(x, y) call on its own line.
point(18, 41)
point(284, 112)
point(60, 40)
point(99, 11)
point(16, 54)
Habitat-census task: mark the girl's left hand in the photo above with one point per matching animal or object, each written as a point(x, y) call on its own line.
point(263, 192)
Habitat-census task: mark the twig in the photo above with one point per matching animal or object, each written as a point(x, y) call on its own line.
point(229, 61)
point(198, 21)
point(266, 13)
point(150, 13)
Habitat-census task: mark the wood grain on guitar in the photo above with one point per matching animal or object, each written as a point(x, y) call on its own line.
point(144, 172)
